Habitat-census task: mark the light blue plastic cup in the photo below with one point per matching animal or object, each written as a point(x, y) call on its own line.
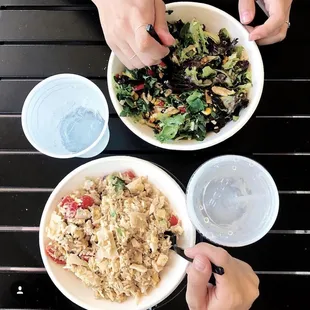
point(66, 116)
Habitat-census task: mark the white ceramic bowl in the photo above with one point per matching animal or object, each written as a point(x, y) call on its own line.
point(214, 19)
point(174, 272)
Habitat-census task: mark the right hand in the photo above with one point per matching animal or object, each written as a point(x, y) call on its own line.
point(124, 23)
point(237, 289)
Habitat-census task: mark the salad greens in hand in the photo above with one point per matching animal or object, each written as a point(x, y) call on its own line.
point(202, 85)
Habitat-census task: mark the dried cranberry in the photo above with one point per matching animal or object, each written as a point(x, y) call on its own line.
point(150, 72)
point(161, 103)
point(182, 110)
point(139, 87)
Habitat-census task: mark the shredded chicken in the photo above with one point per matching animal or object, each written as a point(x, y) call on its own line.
point(110, 234)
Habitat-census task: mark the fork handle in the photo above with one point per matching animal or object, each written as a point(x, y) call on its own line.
point(215, 269)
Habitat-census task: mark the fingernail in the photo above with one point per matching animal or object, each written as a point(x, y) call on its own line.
point(199, 263)
point(245, 17)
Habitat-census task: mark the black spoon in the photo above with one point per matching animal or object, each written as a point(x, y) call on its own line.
point(173, 238)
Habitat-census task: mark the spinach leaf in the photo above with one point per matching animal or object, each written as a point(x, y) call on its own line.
point(195, 103)
point(170, 127)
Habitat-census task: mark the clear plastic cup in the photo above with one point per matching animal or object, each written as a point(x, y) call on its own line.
point(232, 200)
point(66, 116)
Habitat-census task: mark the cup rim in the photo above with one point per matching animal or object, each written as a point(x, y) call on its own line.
point(27, 104)
point(272, 185)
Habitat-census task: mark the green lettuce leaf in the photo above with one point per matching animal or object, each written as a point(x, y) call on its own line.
point(195, 103)
point(231, 62)
point(208, 71)
point(170, 127)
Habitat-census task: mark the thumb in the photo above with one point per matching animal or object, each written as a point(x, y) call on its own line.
point(160, 25)
point(246, 11)
point(199, 274)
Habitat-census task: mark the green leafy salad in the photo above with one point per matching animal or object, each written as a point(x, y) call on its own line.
point(200, 86)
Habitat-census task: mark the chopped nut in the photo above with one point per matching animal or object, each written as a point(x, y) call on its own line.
point(225, 60)
point(149, 97)
point(171, 111)
point(139, 268)
point(221, 91)
point(214, 122)
point(204, 60)
point(168, 92)
point(161, 75)
point(134, 96)
point(144, 98)
point(208, 98)
point(175, 59)
point(207, 111)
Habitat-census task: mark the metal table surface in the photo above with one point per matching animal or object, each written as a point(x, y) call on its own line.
point(39, 38)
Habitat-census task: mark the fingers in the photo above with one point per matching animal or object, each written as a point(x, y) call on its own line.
point(273, 23)
point(276, 37)
point(199, 274)
point(246, 11)
point(216, 255)
point(161, 26)
point(144, 43)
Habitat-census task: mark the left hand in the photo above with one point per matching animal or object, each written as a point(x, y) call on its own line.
point(275, 28)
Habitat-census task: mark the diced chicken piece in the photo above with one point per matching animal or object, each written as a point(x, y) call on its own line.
point(106, 243)
point(139, 268)
point(124, 223)
point(104, 266)
point(178, 230)
point(135, 243)
point(161, 202)
point(156, 267)
point(88, 228)
point(95, 213)
point(136, 186)
point(88, 277)
point(137, 220)
point(155, 278)
point(161, 213)
point(115, 265)
point(88, 185)
point(73, 259)
point(82, 214)
point(138, 257)
point(162, 260)
point(154, 205)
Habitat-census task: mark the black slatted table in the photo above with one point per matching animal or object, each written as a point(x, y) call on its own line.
point(39, 38)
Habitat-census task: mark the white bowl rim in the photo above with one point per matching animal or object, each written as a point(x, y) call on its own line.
point(42, 84)
point(206, 143)
point(49, 205)
point(198, 172)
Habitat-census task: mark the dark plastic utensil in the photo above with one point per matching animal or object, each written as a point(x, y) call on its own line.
point(171, 80)
point(215, 269)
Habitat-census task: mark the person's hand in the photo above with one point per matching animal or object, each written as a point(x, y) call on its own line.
point(124, 23)
point(275, 28)
point(237, 289)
